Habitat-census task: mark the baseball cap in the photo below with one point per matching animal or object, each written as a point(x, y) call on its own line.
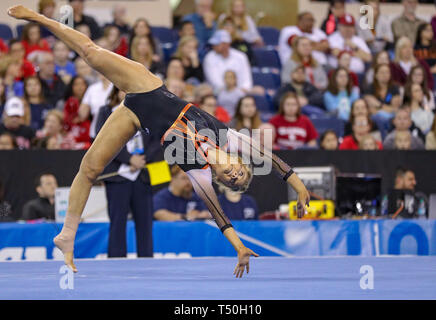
point(347, 20)
point(219, 37)
point(14, 107)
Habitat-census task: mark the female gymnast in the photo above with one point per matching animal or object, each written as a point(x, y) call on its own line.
point(191, 137)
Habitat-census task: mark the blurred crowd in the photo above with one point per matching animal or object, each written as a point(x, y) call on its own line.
point(337, 87)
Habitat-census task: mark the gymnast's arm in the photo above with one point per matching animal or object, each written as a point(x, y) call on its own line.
point(252, 148)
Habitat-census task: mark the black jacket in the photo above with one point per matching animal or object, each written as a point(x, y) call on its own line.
point(152, 150)
point(313, 95)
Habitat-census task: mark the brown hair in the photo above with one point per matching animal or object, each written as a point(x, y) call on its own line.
point(297, 57)
point(26, 29)
point(424, 84)
point(5, 62)
point(41, 93)
point(283, 99)
point(235, 35)
point(333, 85)
point(134, 50)
point(44, 4)
point(377, 86)
point(255, 120)
point(243, 26)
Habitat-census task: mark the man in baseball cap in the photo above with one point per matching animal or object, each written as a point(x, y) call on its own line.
point(13, 115)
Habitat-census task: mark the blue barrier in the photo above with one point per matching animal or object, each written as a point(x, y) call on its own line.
point(267, 238)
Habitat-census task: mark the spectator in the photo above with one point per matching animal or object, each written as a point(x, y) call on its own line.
point(119, 19)
point(203, 20)
point(421, 115)
point(361, 126)
point(407, 24)
point(302, 55)
point(83, 28)
point(208, 103)
point(32, 42)
point(141, 28)
point(186, 29)
point(187, 52)
point(64, 68)
point(383, 96)
point(231, 94)
point(43, 206)
point(223, 58)
point(380, 38)
point(16, 50)
point(178, 201)
point(304, 28)
point(417, 75)
point(7, 141)
point(380, 58)
point(430, 140)
point(176, 71)
point(329, 140)
point(401, 122)
point(35, 99)
point(117, 43)
point(425, 46)
point(345, 39)
point(142, 52)
point(52, 86)
point(80, 18)
point(129, 195)
point(94, 98)
point(3, 47)
point(293, 130)
point(266, 135)
point(2, 95)
point(307, 93)
point(245, 25)
point(238, 206)
point(368, 142)
point(54, 128)
point(238, 42)
point(344, 60)
point(13, 123)
point(403, 140)
point(336, 11)
point(246, 115)
point(403, 199)
point(405, 61)
point(85, 71)
point(47, 8)
point(358, 108)
point(9, 72)
point(6, 212)
point(340, 94)
point(72, 123)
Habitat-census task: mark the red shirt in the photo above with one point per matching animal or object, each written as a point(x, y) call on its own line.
point(291, 135)
point(41, 46)
point(123, 47)
point(79, 131)
point(349, 143)
point(3, 46)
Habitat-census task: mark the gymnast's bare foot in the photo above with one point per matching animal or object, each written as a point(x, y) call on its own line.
point(65, 246)
point(21, 12)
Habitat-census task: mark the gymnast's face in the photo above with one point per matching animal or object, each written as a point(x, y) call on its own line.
point(232, 175)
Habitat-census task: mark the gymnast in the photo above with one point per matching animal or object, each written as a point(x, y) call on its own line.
point(202, 146)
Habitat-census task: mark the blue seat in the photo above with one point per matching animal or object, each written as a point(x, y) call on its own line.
point(263, 103)
point(270, 35)
point(5, 32)
point(168, 50)
point(312, 111)
point(324, 124)
point(267, 58)
point(19, 30)
point(268, 80)
point(165, 35)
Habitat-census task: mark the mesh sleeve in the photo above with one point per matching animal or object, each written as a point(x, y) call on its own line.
point(201, 180)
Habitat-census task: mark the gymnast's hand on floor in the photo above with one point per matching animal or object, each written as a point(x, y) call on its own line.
point(243, 261)
point(303, 200)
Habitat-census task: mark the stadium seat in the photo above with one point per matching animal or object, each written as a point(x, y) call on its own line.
point(324, 124)
point(5, 32)
point(165, 35)
point(263, 103)
point(312, 111)
point(168, 50)
point(268, 80)
point(267, 58)
point(270, 36)
point(19, 30)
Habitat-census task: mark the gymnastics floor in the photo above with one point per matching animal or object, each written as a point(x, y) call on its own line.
point(212, 279)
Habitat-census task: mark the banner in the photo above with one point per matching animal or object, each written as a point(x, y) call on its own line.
point(203, 239)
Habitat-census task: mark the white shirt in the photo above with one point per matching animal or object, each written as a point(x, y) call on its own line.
point(336, 41)
point(215, 66)
point(95, 97)
point(285, 51)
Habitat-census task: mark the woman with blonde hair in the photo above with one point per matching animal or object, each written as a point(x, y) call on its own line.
point(187, 52)
point(142, 52)
point(245, 25)
point(404, 62)
point(53, 132)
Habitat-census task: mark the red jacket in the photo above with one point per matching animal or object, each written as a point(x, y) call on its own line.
point(80, 131)
point(400, 77)
point(349, 143)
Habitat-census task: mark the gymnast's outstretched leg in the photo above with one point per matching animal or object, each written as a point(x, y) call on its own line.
point(128, 76)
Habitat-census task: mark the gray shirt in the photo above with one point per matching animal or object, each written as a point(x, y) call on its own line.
point(389, 142)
